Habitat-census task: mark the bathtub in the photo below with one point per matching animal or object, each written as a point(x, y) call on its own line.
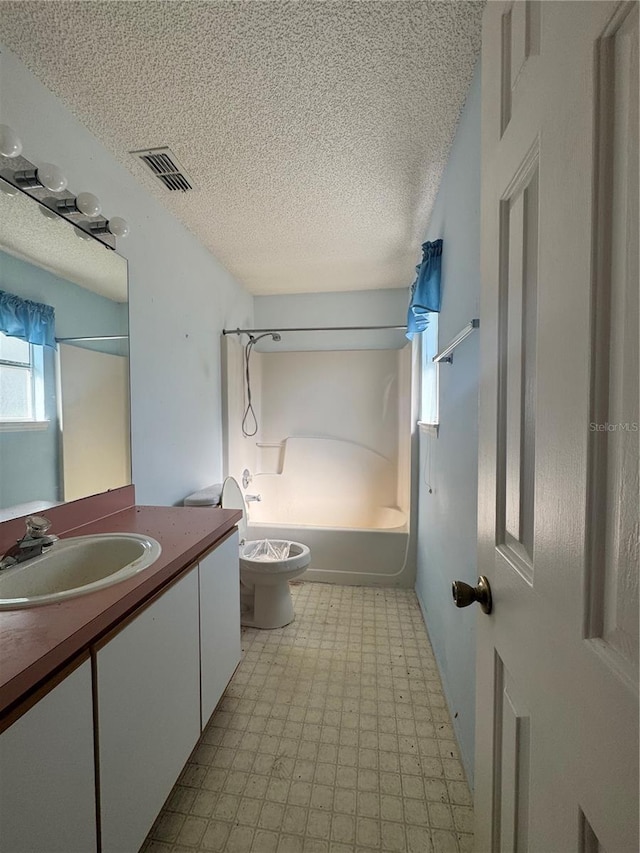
point(331, 497)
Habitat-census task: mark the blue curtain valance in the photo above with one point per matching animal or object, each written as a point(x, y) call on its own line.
point(29, 321)
point(425, 290)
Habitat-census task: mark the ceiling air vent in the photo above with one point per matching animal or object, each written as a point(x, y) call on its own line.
point(165, 167)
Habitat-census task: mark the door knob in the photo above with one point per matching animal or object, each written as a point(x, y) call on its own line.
point(464, 595)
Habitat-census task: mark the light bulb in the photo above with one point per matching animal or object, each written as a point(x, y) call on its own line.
point(8, 189)
point(82, 234)
point(10, 145)
point(89, 204)
point(118, 226)
point(48, 213)
point(51, 177)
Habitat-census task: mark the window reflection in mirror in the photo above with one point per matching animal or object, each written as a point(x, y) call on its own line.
point(21, 380)
point(64, 412)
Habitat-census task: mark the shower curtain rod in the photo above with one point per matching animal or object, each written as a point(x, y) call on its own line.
point(93, 338)
point(312, 329)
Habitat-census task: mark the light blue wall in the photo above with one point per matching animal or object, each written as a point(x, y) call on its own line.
point(448, 463)
point(79, 311)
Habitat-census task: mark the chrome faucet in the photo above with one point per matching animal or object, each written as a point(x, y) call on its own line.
point(34, 542)
point(250, 498)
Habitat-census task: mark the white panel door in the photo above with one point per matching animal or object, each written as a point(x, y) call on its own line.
point(148, 703)
point(47, 778)
point(219, 622)
point(557, 667)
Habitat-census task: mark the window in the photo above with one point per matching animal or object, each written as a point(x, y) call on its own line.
point(429, 413)
point(21, 381)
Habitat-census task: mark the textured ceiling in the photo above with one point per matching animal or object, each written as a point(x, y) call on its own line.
point(31, 232)
point(315, 133)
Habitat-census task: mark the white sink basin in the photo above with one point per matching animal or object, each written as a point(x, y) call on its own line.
point(76, 566)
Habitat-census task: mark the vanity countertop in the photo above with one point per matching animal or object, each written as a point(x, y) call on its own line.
point(37, 642)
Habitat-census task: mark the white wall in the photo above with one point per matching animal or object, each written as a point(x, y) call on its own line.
point(352, 396)
point(317, 383)
point(447, 535)
point(350, 308)
point(180, 298)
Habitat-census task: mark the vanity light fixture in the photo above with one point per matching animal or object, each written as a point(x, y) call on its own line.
point(48, 176)
point(85, 203)
point(19, 174)
point(117, 226)
point(10, 145)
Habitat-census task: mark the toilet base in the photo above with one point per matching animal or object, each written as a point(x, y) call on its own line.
point(272, 606)
point(247, 622)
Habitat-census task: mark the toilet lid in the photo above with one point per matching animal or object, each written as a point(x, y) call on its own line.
point(232, 499)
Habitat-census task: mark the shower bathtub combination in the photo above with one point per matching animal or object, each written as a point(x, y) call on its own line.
point(338, 498)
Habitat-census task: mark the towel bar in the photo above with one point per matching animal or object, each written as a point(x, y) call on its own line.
point(445, 354)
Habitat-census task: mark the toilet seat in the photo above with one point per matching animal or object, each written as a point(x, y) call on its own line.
point(232, 498)
point(299, 557)
point(265, 597)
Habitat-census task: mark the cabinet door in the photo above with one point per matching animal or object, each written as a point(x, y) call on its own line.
point(219, 622)
point(47, 779)
point(148, 699)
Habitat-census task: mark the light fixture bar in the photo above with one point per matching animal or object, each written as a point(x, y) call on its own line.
point(67, 205)
point(46, 183)
point(27, 178)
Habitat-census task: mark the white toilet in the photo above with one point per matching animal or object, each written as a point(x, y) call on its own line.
point(266, 567)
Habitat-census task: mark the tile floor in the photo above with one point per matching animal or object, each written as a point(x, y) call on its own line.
point(332, 737)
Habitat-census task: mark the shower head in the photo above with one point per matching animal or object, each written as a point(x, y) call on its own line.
point(273, 335)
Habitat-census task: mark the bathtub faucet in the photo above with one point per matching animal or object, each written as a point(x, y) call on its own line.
point(250, 498)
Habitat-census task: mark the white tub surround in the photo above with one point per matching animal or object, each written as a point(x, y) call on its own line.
point(339, 498)
point(331, 459)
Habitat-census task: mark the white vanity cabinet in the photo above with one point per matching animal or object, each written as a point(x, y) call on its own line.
point(127, 719)
point(219, 622)
point(148, 712)
point(47, 777)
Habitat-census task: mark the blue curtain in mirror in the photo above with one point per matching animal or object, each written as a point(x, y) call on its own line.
point(425, 290)
point(30, 321)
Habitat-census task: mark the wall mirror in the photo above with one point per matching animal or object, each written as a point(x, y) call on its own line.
point(64, 412)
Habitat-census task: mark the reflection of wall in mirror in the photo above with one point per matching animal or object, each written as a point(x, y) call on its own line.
point(78, 311)
point(95, 421)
